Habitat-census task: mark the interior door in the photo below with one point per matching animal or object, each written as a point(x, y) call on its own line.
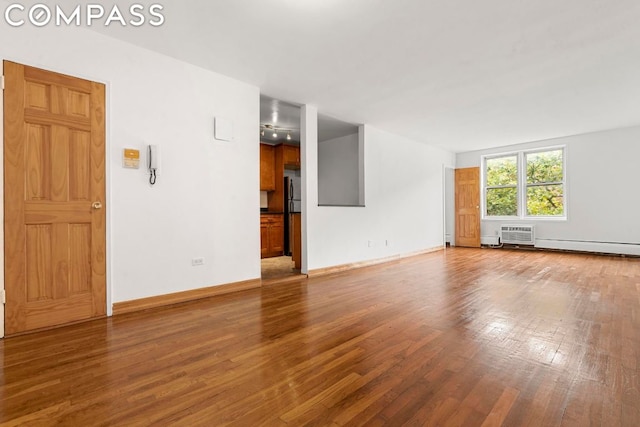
point(54, 192)
point(467, 184)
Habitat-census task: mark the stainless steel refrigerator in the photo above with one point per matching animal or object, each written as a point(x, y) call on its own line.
point(292, 205)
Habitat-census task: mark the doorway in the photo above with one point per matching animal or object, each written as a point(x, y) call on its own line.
point(54, 191)
point(449, 207)
point(280, 190)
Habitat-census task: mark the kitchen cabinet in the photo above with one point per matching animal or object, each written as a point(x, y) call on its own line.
point(267, 168)
point(296, 239)
point(271, 235)
point(291, 156)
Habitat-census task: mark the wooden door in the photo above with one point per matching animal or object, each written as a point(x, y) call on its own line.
point(468, 207)
point(54, 190)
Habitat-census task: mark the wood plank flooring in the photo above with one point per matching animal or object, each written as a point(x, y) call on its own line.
point(468, 337)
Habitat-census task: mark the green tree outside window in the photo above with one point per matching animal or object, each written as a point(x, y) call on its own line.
point(543, 189)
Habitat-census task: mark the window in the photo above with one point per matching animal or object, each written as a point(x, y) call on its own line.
point(502, 186)
point(526, 184)
point(545, 183)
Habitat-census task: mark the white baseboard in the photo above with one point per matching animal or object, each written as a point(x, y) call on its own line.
point(583, 246)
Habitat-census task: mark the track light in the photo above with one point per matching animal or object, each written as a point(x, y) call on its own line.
point(274, 131)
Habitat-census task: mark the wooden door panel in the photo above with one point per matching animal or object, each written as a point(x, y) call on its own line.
point(54, 171)
point(39, 262)
point(59, 164)
point(79, 258)
point(78, 104)
point(37, 96)
point(79, 170)
point(467, 199)
point(38, 161)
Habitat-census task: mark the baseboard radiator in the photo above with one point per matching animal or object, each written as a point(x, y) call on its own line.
point(517, 234)
point(590, 246)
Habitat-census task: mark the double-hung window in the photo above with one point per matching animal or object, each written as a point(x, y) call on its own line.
point(525, 184)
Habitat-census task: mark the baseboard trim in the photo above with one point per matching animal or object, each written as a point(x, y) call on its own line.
point(615, 248)
point(185, 296)
point(345, 267)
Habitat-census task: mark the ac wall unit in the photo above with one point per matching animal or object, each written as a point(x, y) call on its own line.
point(517, 234)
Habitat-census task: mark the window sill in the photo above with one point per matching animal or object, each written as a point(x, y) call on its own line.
point(526, 218)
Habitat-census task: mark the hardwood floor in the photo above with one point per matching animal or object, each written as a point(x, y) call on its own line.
point(463, 337)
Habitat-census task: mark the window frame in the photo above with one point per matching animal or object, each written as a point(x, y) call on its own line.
point(485, 187)
point(522, 185)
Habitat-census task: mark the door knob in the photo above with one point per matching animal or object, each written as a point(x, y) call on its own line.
point(96, 205)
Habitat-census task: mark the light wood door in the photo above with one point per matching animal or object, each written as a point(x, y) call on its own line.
point(54, 189)
point(468, 207)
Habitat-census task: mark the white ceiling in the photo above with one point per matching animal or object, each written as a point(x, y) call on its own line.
point(286, 116)
point(459, 74)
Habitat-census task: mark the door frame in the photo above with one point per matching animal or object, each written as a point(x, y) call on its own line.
point(107, 177)
point(448, 215)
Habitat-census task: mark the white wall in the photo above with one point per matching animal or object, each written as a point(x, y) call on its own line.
point(309, 178)
point(201, 206)
point(338, 171)
point(602, 190)
point(404, 204)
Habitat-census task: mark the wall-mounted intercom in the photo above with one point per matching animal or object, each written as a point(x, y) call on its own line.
point(153, 162)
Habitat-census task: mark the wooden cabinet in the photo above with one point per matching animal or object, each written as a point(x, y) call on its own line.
point(296, 239)
point(271, 235)
point(291, 156)
point(264, 238)
point(267, 168)
point(276, 236)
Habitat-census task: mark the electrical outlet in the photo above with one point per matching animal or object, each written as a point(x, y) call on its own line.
point(370, 243)
point(386, 242)
point(197, 261)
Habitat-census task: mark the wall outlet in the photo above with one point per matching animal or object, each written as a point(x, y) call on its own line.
point(371, 243)
point(386, 242)
point(197, 261)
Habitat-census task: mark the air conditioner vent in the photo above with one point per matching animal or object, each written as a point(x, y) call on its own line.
point(517, 234)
